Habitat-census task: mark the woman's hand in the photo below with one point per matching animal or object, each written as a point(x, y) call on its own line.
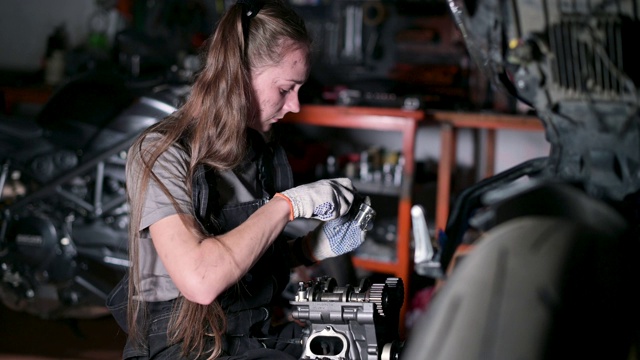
point(324, 199)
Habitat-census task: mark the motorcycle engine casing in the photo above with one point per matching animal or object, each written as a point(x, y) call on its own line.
point(56, 262)
point(41, 244)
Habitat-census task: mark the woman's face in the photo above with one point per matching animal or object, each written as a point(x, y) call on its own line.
point(276, 88)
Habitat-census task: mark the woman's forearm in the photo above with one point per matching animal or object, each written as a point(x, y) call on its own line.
point(203, 268)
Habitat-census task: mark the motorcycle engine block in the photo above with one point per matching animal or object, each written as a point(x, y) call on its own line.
point(345, 322)
point(58, 261)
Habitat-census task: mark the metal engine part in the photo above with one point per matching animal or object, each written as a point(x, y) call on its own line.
point(62, 251)
point(366, 215)
point(345, 322)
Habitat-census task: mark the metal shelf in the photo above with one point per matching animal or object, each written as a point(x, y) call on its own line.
point(384, 119)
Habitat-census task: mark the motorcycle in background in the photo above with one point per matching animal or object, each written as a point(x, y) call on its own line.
point(63, 210)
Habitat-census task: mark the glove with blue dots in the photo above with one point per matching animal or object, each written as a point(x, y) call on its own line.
point(337, 237)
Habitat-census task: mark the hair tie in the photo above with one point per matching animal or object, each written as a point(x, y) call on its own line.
point(251, 7)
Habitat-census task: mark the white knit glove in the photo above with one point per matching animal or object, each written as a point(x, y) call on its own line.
point(324, 199)
point(336, 237)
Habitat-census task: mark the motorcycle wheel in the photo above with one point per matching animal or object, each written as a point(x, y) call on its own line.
point(534, 288)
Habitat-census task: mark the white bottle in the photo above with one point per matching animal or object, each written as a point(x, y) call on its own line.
point(54, 68)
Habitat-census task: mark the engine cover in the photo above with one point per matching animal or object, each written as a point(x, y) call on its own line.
point(41, 245)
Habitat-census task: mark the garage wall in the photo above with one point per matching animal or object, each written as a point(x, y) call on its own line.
point(26, 24)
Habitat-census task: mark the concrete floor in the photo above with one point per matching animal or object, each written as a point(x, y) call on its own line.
point(25, 337)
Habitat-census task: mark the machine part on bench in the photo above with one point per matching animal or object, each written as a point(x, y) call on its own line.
point(345, 322)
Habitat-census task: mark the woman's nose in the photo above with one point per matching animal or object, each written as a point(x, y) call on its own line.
point(292, 103)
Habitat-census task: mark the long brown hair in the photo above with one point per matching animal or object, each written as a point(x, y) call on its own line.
point(211, 127)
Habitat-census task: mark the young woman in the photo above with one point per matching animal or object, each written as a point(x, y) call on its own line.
point(210, 196)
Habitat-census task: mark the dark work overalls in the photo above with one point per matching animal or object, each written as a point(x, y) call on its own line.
point(247, 304)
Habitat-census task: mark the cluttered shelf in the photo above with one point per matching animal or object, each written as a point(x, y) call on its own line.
point(406, 123)
point(12, 96)
point(398, 260)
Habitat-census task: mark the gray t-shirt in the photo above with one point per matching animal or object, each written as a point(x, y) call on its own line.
point(171, 169)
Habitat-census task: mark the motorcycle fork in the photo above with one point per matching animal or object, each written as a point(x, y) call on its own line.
point(3, 177)
point(3, 219)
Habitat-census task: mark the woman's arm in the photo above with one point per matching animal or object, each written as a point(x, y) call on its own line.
point(203, 269)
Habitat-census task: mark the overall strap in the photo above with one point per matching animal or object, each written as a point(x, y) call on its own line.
point(205, 198)
point(274, 170)
point(283, 176)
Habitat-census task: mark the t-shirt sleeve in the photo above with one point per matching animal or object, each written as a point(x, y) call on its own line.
point(171, 171)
